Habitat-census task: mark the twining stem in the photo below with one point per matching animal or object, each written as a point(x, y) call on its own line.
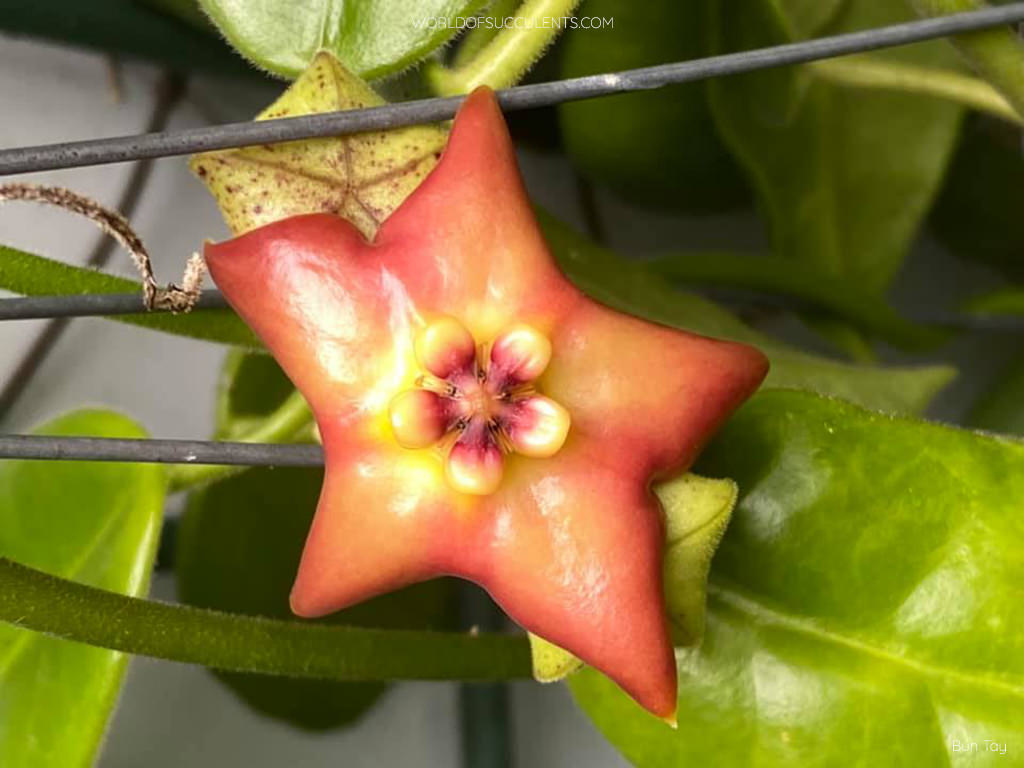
point(506, 55)
point(995, 54)
point(290, 421)
point(475, 40)
point(819, 291)
point(38, 601)
point(873, 72)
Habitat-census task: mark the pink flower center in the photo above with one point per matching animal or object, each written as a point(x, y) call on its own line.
point(479, 403)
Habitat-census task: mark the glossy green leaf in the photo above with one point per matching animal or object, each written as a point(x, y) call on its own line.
point(93, 523)
point(238, 551)
point(372, 37)
point(1002, 408)
point(865, 605)
point(845, 174)
point(631, 287)
point(32, 275)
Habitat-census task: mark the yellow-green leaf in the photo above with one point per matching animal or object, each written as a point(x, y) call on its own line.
point(362, 177)
point(97, 524)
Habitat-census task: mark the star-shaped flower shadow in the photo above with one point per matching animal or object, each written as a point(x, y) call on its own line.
point(443, 362)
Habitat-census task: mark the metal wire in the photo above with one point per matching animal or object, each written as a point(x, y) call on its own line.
point(155, 451)
point(92, 305)
point(170, 143)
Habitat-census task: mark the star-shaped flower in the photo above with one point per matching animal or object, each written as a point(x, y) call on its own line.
point(480, 416)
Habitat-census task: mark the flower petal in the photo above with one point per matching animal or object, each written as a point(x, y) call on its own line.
point(338, 323)
point(650, 395)
point(574, 554)
point(467, 238)
point(380, 514)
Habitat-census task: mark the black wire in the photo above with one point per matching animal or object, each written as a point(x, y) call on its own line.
point(92, 305)
point(154, 451)
point(124, 148)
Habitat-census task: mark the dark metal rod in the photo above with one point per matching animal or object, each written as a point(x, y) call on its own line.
point(165, 144)
point(159, 451)
point(91, 305)
point(111, 304)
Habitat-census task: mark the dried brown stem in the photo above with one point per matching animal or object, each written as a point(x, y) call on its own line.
point(172, 297)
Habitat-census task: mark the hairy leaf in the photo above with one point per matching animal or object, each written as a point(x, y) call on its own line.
point(373, 37)
point(362, 177)
point(33, 275)
point(93, 523)
point(865, 604)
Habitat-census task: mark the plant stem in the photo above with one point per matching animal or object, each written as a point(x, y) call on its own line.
point(506, 56)
point(286, 423)
point(868, 72)
point(40, 602)
point(477, 38)
point(995, 54)
point(820, 291)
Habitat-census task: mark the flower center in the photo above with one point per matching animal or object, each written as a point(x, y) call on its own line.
point(478, 403)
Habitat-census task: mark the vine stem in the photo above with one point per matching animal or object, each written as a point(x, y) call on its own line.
point(996, 54)
point(506, 56)
point(40, 602)
point(866, 72)
point(285, 424)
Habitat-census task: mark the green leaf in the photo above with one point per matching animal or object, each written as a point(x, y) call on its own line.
point(844, 174)
point(809, 285)
point(251, 387)
point(238, 551)
point(997, 54)
point(32, 275)
point(697, 510)
point(864, 605)
point(658, 148)
point(378, 169)
point(94, 523)
point(631, 287)
point(1004, 301)
point(372, 37)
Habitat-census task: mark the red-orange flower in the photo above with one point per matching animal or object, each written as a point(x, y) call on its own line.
point(480, 416)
